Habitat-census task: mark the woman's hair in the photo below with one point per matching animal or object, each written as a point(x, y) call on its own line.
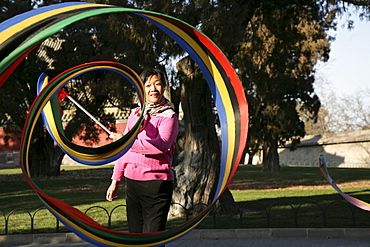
point(148, 72)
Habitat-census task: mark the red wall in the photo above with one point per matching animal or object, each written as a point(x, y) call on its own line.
point(11, 141)
point(103, 137)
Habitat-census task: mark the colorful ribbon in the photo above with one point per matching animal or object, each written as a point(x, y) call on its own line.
point(22, 33)
point(354, 201)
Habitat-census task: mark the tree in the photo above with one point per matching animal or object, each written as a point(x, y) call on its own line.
point(319, 126)
point(339, 112)
point(18, 94)
point(197, 159)
point(346, 112)
point(16, 99)
point(274, 47)
point(282, 51)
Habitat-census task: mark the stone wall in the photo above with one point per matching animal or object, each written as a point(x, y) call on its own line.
point(9, 159)
point(348, 149)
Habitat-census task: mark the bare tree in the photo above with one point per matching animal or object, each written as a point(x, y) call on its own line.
point(349, 111)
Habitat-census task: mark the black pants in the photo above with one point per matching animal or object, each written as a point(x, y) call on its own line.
point(148, 203)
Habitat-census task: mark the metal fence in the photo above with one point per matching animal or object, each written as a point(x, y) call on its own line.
point(280, 214)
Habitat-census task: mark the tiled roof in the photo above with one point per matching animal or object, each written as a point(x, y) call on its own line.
point(336, 138)
point(53, 43)
point(117, 113)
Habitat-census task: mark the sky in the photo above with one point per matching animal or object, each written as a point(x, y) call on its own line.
point(348, 69)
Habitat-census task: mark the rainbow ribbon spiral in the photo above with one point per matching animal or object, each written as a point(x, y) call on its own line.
point(23, 33)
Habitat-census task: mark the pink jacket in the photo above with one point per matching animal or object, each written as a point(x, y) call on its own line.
point(150, 157)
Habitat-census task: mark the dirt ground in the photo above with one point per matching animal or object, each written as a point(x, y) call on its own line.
point(245, 184)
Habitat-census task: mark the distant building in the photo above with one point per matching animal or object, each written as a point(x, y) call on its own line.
point(9, 147)
point(346, 149)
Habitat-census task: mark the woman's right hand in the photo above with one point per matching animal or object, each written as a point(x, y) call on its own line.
point(115, 136)
point(112, 191)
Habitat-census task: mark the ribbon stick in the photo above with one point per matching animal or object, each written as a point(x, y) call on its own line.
point(354, 201)
point(88, 114)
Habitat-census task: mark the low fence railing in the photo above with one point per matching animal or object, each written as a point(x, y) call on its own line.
point(252, 214)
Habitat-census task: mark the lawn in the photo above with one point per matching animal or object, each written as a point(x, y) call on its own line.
point(295, 192)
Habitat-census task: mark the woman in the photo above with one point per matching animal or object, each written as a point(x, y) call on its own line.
point(147, 165)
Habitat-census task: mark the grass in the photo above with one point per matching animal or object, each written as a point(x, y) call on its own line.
point(255, 192)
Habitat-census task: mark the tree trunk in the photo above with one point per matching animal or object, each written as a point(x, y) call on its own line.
point(45, 156)
point(250, 159)
point(226, 204)
point(55, 157)
point(197, 158)
point(270, 156)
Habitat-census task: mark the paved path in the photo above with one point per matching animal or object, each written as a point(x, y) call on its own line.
point(274, 237)
point(249, 243)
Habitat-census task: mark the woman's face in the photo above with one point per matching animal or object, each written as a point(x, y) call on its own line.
point(153, 89)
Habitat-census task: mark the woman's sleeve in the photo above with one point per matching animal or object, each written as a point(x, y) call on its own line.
point(167, 134)
point(130, 122)
point(119, 170)
point(120, 166)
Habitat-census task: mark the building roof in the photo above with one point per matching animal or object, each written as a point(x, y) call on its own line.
point(335, 138)
point(116, 112)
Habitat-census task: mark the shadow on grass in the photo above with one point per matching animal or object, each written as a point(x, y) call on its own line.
point(289, 212)
point(87, 193)
point(324, 211)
